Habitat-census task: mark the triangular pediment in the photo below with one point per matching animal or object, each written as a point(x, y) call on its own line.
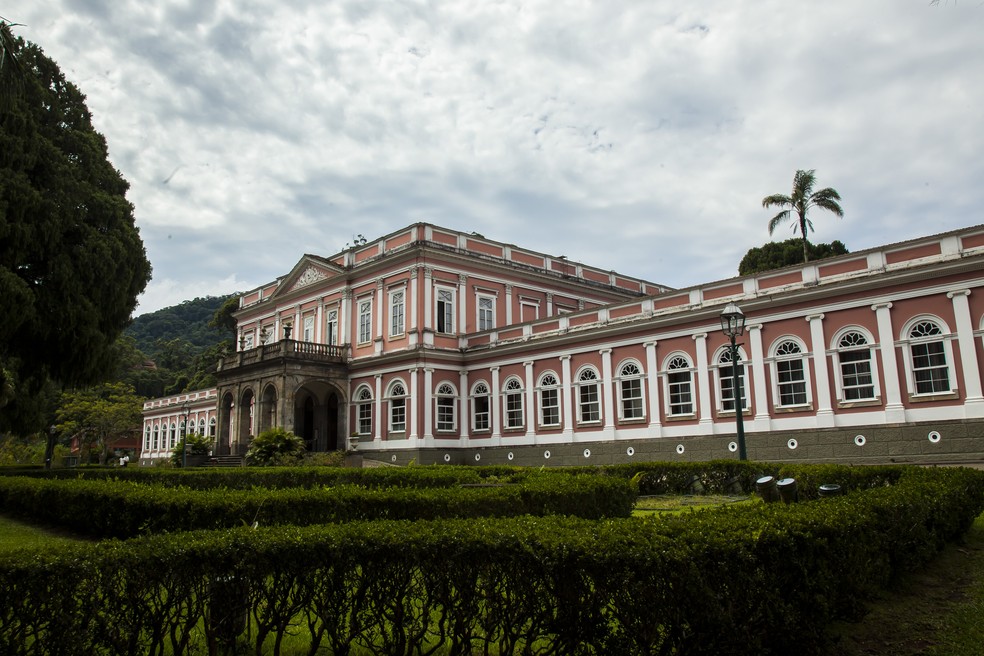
point(309, 270)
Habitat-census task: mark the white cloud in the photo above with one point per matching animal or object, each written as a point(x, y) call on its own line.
point(640, 135)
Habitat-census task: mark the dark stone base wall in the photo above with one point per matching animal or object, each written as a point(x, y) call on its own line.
point(960, 442)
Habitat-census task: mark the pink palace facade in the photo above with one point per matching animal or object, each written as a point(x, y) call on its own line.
point(432, 345)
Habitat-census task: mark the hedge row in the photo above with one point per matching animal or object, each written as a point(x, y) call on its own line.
point(719, 476)
point(749, 579)
point(121, 509)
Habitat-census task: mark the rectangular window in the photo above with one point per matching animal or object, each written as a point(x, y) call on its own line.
point(398, 415)
point(681, 397)
point(514, 410)
point(588, 405)
point(481, 413)
point(331, 327)
point(445, 413)
point(929, 368)
point(397, 313)
point(528, 311)
point(792, 382)
point(365, 321)
point(247, 341)
point(486, 313)
point(365, 418)
point(308, 329)
point(549, 407)
point(856, 375)
point(727, 373)
point(445, 311)
point(632, 399)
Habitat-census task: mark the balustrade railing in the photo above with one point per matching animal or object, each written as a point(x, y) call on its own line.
point(288, 348)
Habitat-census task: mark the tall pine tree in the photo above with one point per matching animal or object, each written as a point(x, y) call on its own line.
point(71, 259)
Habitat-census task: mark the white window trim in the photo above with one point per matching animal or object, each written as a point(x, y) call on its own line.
point(488, 398)
point(331, 326)
point(531, 303)
point(359, 402)
point(403, 319)
point(577, 385)
point(521, 393)
point(906, 343)
point(719, 396)
point(805, 357)
point(307, 327)
point(479, 297)
point(664, 374)
point(641, 377)
point(389, 398)
point(541, 387)
point(835, 354)
point(454, 407)
point(453, 304)
point(359, 314)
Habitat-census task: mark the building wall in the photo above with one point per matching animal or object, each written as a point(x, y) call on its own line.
point(639, 373)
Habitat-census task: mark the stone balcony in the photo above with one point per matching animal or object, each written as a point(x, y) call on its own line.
point(287, 350)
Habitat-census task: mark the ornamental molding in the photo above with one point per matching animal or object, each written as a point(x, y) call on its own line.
point(311, 275)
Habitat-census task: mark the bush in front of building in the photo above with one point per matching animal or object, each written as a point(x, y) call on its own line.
point(273, 447)
point(745, 579)
point(198, 445)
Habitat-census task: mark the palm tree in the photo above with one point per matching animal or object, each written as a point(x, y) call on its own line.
point(802, 199)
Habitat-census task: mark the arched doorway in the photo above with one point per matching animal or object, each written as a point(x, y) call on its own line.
point(222, 440)
point(316, 416)
point(245, 424)
point(268, 409)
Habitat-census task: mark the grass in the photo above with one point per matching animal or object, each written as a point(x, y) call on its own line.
point(15, 534)
point(938, 611)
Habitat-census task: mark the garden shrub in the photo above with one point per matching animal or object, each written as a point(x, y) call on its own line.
point(741, 579)
point(275, 446)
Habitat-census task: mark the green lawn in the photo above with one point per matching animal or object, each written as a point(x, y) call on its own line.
point(15, 534)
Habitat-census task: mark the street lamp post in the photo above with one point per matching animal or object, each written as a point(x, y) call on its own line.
point(186, 409)
point(733, 325)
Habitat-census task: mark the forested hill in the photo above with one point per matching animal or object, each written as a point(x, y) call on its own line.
point(187, 322)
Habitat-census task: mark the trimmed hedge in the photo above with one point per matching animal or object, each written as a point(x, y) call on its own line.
point(749, 579)
point(123, 509)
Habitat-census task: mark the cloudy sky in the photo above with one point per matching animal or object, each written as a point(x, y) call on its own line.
point(639, 136)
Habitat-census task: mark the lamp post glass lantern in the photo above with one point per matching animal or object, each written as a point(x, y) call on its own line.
point(186, 409)
point(733, 325)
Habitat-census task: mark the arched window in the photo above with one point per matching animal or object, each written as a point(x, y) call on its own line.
point(854, 365)
point(447, 401)
point(726, 381)
point(512, 396)
point(588, 403)
point(630, 380)
point(211, 427)
point(363, 400)
point(201, 426)
point(930, 370)
point(790, 374)
point(146, 446)
point(680, 383)
point(172, 435)
point(549, 393)
point(157, 437)
point(397, 408)
point(480, 408)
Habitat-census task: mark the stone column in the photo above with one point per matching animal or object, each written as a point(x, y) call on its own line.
point(652, 382)
point(894, 408)
point(821, 373)
point(974, 402)
point(463, 420)
point(607, 395)
point(530, 400)
point(763, 417)
point(494, 406)
point(706, 420)
point(566, 398)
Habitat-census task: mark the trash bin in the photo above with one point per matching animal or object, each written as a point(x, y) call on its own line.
point(830, 490)
point(767, 489)
point(787, 490)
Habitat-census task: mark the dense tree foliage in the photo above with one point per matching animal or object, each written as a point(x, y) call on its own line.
point(802, 199)
point(776, 255)
point(192, 322)
point(176, 348)
point(97, 416)
point(71, 259)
